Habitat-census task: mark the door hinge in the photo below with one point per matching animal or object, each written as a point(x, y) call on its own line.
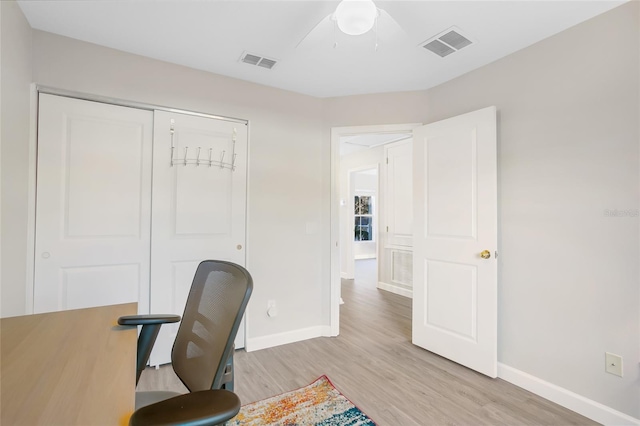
point(387, 160)
point(387, 229)
point(496, 252)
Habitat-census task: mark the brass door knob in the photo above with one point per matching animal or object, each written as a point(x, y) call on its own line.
point(485, 254)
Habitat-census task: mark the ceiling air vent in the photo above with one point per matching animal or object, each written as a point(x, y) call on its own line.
point(266, 63)
point(251, 59)
point(447, 42)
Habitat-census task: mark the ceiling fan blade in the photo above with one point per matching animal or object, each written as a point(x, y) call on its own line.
point(323, 29)
point(389, 29)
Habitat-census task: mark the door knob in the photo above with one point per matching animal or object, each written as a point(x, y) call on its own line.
point(485, 254)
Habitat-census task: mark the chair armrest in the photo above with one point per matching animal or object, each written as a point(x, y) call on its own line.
point(150, 328)
point(209, 407)
point(147, 319)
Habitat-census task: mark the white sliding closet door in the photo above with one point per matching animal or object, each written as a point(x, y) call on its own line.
point(93, 205)
point(198, 209)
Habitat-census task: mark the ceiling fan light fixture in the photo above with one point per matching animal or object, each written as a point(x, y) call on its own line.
point(355, 17)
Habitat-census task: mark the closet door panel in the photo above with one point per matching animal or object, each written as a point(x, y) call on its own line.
point(202, 202)
point(93, 205)
point(199, 208)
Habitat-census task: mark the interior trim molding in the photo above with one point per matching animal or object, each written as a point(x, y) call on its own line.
point(264, 342)
point(395, 289)
point(594, 410)
point(131, 104)
point(365, 256)
point(31, 200)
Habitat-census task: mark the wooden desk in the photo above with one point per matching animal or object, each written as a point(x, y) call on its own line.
point(68, 368)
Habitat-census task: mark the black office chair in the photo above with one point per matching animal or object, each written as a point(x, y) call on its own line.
point(202, 354)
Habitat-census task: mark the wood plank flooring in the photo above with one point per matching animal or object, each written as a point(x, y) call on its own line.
point(375, 365)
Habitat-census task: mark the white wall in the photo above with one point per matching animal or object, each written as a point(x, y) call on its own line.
point(15, 80)
point(568, 150)
point(366, 181)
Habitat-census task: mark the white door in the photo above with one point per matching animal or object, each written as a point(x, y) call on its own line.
point(396, 266)
point(399, 194)
point(93, 205)
point(198, 209)
point(455, 221)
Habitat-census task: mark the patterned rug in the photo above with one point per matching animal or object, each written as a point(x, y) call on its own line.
point(319, 403)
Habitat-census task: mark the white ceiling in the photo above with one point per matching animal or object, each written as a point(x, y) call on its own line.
point(212, 35)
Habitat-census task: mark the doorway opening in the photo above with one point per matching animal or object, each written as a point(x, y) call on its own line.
point(450, 235)
point(361, 213)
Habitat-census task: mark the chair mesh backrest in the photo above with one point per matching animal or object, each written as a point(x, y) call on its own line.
point(216, 303)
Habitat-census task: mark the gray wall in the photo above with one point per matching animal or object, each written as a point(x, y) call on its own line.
point(15, 80)
point(568, 150)
point(569, 142)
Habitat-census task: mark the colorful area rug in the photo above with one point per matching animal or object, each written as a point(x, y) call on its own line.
point(319, 403)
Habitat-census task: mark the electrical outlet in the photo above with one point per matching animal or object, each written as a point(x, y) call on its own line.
point(272, 310)
point(613, 363)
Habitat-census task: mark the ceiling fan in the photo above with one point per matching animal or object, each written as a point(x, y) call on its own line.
point(353, 18)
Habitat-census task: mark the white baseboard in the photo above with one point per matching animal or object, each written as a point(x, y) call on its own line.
point(581, 405)
point(364, 256)
point(264, 342)
point(395, 289)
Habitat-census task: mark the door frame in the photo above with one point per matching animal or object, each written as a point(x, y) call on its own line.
point(36, 89)
point(336, 133)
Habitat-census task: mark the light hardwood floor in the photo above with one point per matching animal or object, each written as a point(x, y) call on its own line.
point(375, 365)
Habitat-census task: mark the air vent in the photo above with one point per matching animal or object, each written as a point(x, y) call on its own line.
point(447, 42)
point(266, 63)
point(439, 48)
point(251, 59)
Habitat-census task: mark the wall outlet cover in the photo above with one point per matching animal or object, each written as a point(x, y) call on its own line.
point(613, 363)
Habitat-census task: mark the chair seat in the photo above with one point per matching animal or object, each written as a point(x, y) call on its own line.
point(203, 408)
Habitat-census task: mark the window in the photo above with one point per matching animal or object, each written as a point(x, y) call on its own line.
point(363, 210)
